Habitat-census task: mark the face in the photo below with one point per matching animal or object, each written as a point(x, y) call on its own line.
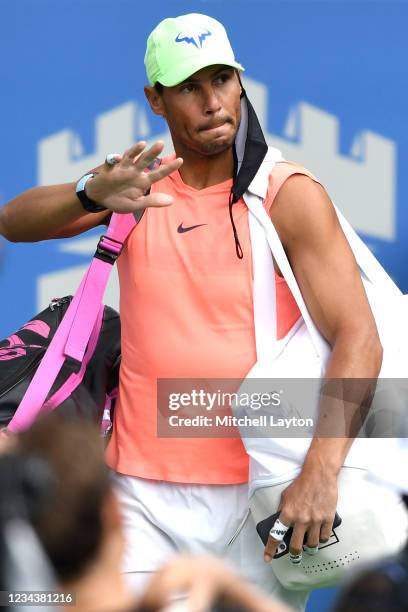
point(202, 112)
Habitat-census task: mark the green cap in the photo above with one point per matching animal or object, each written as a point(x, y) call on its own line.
point(180, 46)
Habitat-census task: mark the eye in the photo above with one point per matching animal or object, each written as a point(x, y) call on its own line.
point(223, 77)
point(187, 88)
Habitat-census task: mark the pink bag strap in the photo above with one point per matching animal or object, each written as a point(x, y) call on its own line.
point(108, 250)
point(72, 335)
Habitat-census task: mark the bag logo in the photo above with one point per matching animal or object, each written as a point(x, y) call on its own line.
point(16, 347)
point(195, 39)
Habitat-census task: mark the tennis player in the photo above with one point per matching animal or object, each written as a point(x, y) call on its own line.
point(186, 305)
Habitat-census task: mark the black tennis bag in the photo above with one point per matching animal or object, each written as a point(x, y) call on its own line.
point(85, 389)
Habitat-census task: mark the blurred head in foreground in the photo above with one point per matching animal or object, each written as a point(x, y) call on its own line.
point(78, 521)
point(70, 526)
point(54, 478)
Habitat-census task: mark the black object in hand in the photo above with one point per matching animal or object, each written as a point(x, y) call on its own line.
point(263, 528)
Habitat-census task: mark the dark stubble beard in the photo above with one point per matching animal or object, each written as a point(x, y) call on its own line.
point(213, 148)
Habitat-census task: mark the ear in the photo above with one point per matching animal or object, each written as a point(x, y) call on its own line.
point(155, 100)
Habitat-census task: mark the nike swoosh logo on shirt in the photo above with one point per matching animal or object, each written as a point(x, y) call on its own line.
point(182, 229)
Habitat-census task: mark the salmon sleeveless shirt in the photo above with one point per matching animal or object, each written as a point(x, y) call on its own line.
point(186, 312)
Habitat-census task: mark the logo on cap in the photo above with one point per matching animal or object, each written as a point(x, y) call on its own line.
point(195, 39)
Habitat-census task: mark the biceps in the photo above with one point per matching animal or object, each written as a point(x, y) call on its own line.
point(330, 282)
point(321, 259)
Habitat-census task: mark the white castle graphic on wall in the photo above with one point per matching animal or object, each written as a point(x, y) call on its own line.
point(363, 184)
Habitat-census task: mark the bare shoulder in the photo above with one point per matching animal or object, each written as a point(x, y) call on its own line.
point(302, 210)
point(321, 258)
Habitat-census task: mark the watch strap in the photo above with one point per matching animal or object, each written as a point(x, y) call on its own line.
point(88, 204)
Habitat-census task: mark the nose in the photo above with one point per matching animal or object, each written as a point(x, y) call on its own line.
point(212, 103)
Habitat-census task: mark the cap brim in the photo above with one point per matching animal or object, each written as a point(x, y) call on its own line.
point(182, 71)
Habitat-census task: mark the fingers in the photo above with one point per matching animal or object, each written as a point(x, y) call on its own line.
point(113, 158)
point(162, 588)
point(317, 532)
point(155, 199)
point(313, 536)
point(135, 151)
point(147, 157)
point(325, 531)
point(194, 582)
point(296, 543)
point(270, 549)
point(140, 159)
point(202, 594)
point(130, 204)
point(276, 536)
point(165, 169)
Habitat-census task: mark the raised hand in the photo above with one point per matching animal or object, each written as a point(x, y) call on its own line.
point(123, 186)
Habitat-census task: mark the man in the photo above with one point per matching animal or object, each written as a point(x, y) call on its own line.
point(186, 305)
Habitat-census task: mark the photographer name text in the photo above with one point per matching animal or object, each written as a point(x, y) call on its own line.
point(234, 421)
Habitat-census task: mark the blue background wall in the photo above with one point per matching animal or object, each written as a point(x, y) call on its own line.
point(65, 62)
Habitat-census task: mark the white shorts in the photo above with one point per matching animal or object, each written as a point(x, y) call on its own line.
point(162, 519)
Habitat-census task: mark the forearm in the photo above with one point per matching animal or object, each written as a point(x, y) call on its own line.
point(37, 214)
point(309, 502)
point(349, 384)
point(42, 213)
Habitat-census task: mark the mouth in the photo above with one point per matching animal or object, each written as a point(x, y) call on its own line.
point(214, 126)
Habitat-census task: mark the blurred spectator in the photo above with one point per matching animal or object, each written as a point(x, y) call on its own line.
point(205, 583)
point(53, 476)
point(25, 484)
point(384, 584)
point(79, 526)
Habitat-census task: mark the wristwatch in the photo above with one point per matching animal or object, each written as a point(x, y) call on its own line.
point(87, 203)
